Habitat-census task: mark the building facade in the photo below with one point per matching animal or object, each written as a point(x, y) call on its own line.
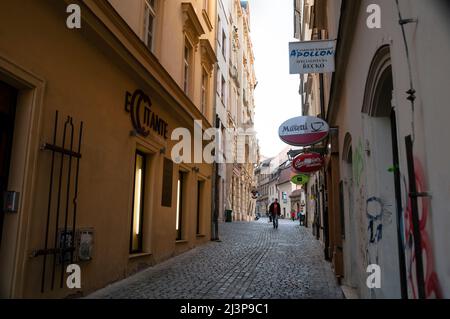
point(90, 115)
point(381, 196)
point(235, 105)
point(285, 189)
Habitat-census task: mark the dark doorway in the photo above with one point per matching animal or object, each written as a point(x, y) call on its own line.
point(8, 97)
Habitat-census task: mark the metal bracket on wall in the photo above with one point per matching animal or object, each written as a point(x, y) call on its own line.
point(62, 209)
point(422, 194)
point(406, 21)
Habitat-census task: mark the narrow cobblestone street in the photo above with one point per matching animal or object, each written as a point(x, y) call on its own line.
point(253, 260)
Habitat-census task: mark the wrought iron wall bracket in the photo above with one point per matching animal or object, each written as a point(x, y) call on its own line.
point(60, 150)
point(60, 213)
point(422, 194)
point(51, 251)
point(406, 21)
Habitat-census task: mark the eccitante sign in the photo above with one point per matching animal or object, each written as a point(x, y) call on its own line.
point(143, 118)
point(312, 56)
point(307, 163)
point(303, 131)
point(300, 179)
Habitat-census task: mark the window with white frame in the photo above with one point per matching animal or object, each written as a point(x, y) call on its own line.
point(187, 66)
point(149, 25)
point(204, 91)
point(223, 93)
point(224, 43)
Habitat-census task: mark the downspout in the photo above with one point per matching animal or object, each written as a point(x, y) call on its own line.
point(214, 188)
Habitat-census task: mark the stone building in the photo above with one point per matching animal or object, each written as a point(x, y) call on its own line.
point(90, 114)
point(235, 105)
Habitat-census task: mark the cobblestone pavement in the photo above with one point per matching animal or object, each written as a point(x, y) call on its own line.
point(252, 261)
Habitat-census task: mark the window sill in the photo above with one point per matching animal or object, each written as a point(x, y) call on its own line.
point(138, 255)
point(181, 241)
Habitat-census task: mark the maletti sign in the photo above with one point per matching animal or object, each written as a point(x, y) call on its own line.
point(303, 131)
point(308, 163)
point(312, 56)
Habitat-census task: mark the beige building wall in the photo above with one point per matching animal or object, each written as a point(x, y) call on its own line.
point(86, 74)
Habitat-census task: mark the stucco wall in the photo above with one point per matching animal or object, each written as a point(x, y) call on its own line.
point(89, 84)
point(430, 133)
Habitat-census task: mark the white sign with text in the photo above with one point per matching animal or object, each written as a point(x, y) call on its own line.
point(312, 56)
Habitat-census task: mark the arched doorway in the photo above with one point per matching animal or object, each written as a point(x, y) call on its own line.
point(383, 202)
point(351, 239)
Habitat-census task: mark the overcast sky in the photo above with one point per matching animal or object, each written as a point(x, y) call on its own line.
point(276, 96)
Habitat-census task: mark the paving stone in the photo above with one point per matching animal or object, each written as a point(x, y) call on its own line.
point(252, 261)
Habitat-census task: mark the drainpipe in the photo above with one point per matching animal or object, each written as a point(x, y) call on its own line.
point(214, 179)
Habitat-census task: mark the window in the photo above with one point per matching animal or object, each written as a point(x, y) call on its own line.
point(218, 30)
point(224, 43)
point(224, 84)
point(187, 66)
point(204, 91)
point(138, 203)
point(150, 14)
point(179, 219)
point(199, 205)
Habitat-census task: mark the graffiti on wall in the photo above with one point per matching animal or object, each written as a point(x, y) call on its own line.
point(378, 215)
point(432, 286)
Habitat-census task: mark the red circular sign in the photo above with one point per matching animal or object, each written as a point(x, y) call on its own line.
point(308, 163)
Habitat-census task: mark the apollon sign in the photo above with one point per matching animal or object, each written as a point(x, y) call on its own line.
point(300, 179)
point(303, 131)
point(307, 163)
point(312, 56)
point(143, 118)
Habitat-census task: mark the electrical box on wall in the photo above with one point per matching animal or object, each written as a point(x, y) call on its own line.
point(11, 202)
point(85, 244)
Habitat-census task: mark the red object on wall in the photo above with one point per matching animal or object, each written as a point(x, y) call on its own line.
point(308, 163)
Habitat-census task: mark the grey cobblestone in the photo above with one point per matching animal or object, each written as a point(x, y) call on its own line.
point(252, 261)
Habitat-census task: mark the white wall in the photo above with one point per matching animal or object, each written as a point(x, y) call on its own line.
point(430, 49)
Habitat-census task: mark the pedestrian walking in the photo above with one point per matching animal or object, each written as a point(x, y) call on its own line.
point(293, 216)
point(275, 212)
point(302, 217)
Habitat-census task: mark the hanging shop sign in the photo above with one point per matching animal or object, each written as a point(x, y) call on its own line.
point(312, 56)
point(308, 163)
point(303, 131)
point(143, 118)
point(300, 179)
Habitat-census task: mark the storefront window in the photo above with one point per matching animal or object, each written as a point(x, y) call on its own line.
point(199, 205)
point(138, 204)
point(179, 219)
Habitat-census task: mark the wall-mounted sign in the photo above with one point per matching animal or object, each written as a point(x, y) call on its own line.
point(312, 56)
point(307, 163)
point(303, 131)
point(300, 179)
point(143, 118)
